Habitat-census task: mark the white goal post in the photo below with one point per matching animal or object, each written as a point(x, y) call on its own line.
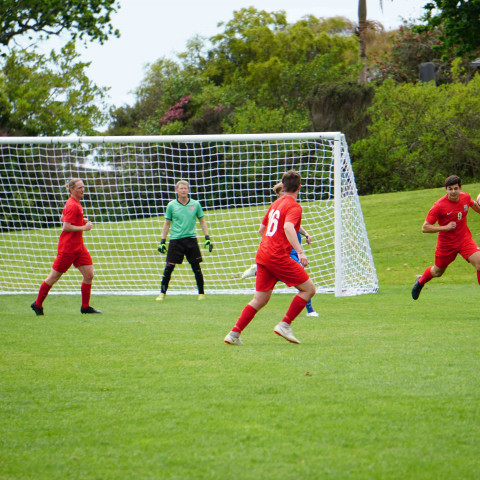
point(130, 180)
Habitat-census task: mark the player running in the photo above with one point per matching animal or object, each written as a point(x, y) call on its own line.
point(281, 224)
point(71, 250)
point(181, 215)
point(252, 271)
point(454, 237)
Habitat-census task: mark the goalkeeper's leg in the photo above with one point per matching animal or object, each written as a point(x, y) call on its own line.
point(197, 270)
point(167, 274)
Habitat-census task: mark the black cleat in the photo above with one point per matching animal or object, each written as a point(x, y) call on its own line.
point(88, 310)
point(417, 288)
point(37, 310)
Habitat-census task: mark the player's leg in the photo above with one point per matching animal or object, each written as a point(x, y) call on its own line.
point(197, 271)
point(194, 257)
point(86, 288)
point(175, 254)
point(47, 284)
point(295, 275)
point(437, 270)
point(474, 259)
point(167, 275)
point(265, 282)
point(260, 299)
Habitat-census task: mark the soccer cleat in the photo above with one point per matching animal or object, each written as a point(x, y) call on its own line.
point(89, 310)
point(201, 296)
point(249, 272)
point(37, 310)
point(160, 297)
point(312, 314)
point(231, 340)
point(417, 288)
point(286, 333)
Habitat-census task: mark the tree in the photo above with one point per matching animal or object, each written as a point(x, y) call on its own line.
point(81, 18)
point(48, 95)
point(460, 22)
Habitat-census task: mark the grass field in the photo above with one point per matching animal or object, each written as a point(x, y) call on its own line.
point(381, 387)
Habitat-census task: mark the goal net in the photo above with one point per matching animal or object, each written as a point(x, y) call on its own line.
point(128, 184)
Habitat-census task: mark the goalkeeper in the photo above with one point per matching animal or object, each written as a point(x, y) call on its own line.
point(181, 216)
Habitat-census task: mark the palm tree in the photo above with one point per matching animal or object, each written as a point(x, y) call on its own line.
point(363, 26)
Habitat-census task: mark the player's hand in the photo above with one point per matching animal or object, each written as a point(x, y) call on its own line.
point(303, 259)
point(308, 238)
point(208, 243)
point(87, 226)
point(163, 247)
point(451, 226)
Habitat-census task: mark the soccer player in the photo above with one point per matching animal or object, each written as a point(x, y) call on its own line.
point(252, 271)
point(181, 215)
point(280, 227)
point(454, 237)
point(71, 250)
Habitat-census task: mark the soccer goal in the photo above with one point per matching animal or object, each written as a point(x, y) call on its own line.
point(130, 180)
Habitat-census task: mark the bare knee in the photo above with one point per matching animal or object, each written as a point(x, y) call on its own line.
point(53, 277)
point(437, 272)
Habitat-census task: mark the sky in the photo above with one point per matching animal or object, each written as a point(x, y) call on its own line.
point(152, 29)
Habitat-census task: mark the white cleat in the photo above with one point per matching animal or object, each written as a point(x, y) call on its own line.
point(231, 340)
point(286, 333)
point(249, 272)
point(312, 314)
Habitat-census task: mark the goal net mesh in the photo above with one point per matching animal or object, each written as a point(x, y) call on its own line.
point(128, 184)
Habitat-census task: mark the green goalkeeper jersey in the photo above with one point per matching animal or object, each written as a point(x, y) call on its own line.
point(183, 218)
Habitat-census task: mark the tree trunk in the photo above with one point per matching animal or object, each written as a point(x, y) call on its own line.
point(362, 31)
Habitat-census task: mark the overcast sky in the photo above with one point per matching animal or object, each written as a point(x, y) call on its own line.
point(151, 29)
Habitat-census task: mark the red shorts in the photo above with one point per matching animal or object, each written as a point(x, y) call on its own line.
point(65, 260)
point(287, 271)
point(444, 256)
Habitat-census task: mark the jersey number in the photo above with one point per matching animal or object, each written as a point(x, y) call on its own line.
point(459, 215)
point(273, 217)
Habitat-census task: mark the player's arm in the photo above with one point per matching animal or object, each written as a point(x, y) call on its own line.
point(208, 242)
point(302, 231)
point(261, 230)
point(476, 205)
point(70, 227)
point(291, 235)
point(165, 229)
point(429, 228)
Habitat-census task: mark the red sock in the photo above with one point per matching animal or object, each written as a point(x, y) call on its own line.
point(478, 277)
point(86, 288)
point(245, 318)
point(426, 277)
point(297, 305)
point(42, 293)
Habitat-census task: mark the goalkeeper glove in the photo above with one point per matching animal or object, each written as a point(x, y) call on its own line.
point(208, 243)
point(163, 247)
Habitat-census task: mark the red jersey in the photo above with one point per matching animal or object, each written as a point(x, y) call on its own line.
point(274, 245)
point(72, 242)
point(445, 211)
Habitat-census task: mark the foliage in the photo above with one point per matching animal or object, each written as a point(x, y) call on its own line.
point(420, 134)
point(81, 18)
point(341, 107)
point(411, 47)
point(460, 22)
point(258, 62)
point(252, 118)
point(48, 95)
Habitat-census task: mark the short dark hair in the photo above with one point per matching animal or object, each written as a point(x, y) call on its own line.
point(291, 181)
point(453, 180)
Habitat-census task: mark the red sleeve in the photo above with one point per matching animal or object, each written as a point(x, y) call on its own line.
point(69, 213)
point(265, 218)
point(432, 216)
point(294, 214)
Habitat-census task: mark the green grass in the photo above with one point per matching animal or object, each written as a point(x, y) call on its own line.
point(381, 387)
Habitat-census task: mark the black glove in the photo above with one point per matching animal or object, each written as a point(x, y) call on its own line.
point(163, 247)
point(208, 243)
